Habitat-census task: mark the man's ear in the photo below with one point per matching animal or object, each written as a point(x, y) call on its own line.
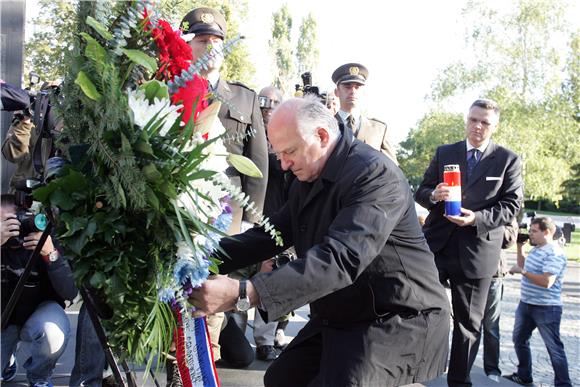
point(323, 135)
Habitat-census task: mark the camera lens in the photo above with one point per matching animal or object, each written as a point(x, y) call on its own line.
point(32, 223)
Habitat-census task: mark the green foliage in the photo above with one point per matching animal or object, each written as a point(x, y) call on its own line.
point(516, 57)
point(281, 49)
point(237, 65)
point(54, 29)
point(50, 45)
point(432, 130)
point(307, 53)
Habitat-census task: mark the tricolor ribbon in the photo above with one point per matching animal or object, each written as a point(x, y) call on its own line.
point(194, 355)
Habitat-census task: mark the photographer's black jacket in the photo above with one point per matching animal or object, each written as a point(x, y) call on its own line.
point(52, 281)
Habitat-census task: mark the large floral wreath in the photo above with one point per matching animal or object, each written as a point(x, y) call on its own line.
point(143, 202)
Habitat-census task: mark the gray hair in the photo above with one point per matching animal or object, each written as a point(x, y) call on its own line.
point(311, 114)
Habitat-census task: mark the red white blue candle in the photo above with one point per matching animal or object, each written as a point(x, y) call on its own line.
point(452, 177)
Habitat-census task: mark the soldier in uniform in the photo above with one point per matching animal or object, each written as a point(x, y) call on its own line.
point(203, 29)
point(350, 80)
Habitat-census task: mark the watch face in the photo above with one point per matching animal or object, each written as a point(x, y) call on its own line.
point(53, 256)
point(243, 304)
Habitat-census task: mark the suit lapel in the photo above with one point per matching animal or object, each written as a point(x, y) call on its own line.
point(461, 152)
point(483, 164)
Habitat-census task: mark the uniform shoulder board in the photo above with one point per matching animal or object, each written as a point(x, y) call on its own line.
point(377, 120)
point(241, 85)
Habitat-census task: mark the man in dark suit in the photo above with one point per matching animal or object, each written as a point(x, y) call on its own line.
point(467, 247)
point(203, 29)
point(379, 315)
point(350, 81)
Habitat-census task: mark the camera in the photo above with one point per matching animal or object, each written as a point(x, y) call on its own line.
point(308, 88)
point(282, 259)
point(29, 222)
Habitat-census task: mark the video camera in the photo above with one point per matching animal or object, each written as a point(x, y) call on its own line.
point(39, 106)
point(308, 88)
point(524, 236)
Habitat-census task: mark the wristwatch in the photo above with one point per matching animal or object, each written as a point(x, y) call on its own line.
point(243, 303)
point(52, 256)
point(523, 272)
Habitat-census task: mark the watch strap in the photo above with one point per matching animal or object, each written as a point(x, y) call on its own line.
point(243, 293)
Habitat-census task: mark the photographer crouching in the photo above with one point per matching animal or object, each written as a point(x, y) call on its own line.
point(38, 317)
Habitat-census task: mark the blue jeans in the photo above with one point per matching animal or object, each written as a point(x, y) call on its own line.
point(47, 330)
point(547, 319)
point(490, 326)
point(89, 354)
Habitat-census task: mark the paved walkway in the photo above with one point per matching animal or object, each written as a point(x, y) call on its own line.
point(543, 375)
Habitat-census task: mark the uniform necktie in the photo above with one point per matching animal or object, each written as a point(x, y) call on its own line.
point(350, 121)
point(472, 161)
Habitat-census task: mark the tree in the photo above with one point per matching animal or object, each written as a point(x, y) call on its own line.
point(51, 43)
point(514, 56)
point(281, 48)
point(46, 51)
point(432, 130)
point(307, 52)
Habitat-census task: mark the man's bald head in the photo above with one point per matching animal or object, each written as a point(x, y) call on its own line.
point(303, 134)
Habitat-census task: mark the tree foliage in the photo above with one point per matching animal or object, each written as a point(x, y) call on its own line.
point(54, 31)
point(281, 49)
point(432, 130)
point(307, 53)
point(522, 55)
point(46, 51)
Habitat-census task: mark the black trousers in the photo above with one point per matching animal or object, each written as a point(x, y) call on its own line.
point(468, 299)
point(385, 352)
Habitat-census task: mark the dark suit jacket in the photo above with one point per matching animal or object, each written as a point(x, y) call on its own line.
point(494, 193)
point(361, 253)
point(245, 135)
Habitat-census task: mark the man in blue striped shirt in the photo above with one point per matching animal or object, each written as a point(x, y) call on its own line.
point(541, 302)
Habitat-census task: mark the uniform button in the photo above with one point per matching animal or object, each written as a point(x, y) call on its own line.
point(241, 117)
point(324, 322)
point(463, 197)
point(302, 228)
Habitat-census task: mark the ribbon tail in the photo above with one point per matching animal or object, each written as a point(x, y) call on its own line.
point(194, 355)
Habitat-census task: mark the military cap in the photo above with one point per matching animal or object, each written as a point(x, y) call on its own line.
point(350, 72)
point(204, 21)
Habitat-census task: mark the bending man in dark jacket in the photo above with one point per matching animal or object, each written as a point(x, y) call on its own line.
point(378, 313)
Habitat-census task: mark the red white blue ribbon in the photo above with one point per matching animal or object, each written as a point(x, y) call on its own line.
point(194, 355)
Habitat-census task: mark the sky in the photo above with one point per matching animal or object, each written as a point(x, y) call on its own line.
point(404, 44)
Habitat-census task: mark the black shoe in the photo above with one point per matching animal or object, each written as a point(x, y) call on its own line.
point(266, 353)
point(516, 379)
point(110, 381)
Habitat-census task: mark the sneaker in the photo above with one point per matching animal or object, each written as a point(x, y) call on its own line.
point(493, 377)
point(9, 373)
point(266, 353)
point(42, 384)
point(516, 379)
point(280, 339)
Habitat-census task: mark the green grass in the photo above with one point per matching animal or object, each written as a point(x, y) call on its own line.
point(526, 210)
point(572, 249)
